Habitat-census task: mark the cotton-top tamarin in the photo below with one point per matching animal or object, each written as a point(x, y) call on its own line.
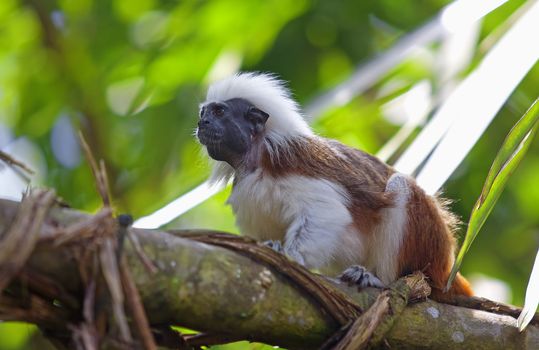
point(327, 206)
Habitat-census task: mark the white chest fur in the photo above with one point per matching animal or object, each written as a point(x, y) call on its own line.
point(258, 203)
point(308, 215)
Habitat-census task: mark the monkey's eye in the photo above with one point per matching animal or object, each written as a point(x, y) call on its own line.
point(218, 110)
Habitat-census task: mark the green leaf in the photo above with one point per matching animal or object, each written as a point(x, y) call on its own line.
point(511, 145)
point(508, 158)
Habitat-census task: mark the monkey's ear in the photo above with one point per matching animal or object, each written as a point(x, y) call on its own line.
point(258, 118)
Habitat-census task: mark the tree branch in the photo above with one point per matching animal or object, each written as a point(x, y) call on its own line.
point(216, 290)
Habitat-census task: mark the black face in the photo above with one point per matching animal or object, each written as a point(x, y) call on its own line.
point(228, 128)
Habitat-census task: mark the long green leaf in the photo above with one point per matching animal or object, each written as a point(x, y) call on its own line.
point(508, 158)
point(512, 142)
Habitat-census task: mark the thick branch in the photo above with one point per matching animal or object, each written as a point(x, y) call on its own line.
point(213, 289)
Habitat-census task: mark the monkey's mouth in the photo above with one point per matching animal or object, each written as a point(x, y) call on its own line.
point(209, 137)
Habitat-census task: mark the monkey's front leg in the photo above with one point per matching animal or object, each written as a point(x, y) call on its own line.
point(354, 275)
point(279, 248)
point(309, 242)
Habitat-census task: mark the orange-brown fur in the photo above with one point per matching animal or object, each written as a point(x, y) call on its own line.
point(429, 245)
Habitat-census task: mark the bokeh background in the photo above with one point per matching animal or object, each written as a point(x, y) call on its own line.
point(129, 74)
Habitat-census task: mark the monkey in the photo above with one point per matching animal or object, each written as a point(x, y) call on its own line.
point(325, 205)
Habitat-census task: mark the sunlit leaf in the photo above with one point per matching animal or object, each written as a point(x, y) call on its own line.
point(509, 156)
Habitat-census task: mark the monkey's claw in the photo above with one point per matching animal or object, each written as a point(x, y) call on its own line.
point(275, 245)
point(359, 276)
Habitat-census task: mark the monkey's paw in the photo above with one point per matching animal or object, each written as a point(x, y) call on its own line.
point(359, 276)
point(290, 253)
point(275, 245)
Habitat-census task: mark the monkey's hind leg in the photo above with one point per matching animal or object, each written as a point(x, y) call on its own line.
point(389, 236)
point(386, 241)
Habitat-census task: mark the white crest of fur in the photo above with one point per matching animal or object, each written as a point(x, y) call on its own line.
point(268, 94)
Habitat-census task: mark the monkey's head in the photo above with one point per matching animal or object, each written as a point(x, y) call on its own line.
point(244, 111)
point(229, 128)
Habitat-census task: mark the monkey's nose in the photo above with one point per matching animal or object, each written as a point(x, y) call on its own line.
point(203, 122)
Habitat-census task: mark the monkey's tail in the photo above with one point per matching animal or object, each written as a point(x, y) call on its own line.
point(460, 286)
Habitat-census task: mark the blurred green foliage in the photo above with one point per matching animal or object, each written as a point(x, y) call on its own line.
point(130, 74)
